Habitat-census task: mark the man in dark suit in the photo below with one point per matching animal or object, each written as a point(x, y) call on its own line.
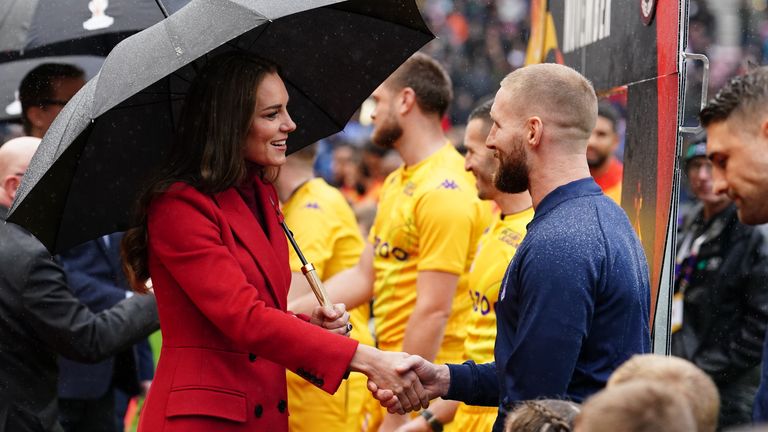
point(41, 318)
point(93, 397)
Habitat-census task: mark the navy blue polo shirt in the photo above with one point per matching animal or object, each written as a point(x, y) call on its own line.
point(573, 306)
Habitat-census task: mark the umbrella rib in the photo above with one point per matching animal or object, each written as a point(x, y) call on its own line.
point(256, 39)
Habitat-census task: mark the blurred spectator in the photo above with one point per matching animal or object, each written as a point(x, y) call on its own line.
point(43, 93)
point(682, 377)
point(720, 309)
point(92, 397)
point(638, 406)
point(604, 167)
point(543, 415)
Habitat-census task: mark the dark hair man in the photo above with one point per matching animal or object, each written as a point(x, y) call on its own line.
point(575, 300)
point(601, 146)
point(43, 93)
point(736, 121)
point(720, 311)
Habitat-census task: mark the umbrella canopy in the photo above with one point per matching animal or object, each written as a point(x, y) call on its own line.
point(111, 137)
point(38, 28)
point(14, 72)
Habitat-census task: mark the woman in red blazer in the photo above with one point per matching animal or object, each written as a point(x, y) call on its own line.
point(210, 239)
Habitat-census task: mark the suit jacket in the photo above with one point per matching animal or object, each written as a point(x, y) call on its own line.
point(221, 284)
point(42, 319)
point(95, 276)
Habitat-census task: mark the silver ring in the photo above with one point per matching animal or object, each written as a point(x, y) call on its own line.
point(349, 327)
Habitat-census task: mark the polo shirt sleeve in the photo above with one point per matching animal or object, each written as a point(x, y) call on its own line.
point(445, 219)
point(474, 384)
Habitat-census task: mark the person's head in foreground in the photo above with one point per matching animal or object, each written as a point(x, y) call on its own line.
point(736, 121)
point(546, 415)
point(637, 406)
point(542, 116)
point(234, 119)
point(681, 376)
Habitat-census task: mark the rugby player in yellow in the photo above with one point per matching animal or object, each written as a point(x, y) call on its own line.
point(325, 228)
point(495, 250)
point(425, 232)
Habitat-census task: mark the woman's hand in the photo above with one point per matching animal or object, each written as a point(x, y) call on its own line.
point(335, 320)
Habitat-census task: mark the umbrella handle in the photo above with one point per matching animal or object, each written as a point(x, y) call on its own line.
point(308, 270)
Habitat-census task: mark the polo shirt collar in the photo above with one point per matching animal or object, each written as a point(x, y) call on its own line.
point(574, 189)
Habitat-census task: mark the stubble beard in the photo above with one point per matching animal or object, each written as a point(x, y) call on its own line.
point(387, 134)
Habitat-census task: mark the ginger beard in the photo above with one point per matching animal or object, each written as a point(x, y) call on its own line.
point(513, 172)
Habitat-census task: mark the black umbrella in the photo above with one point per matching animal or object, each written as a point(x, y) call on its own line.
point(42, 28)
point(115, 132)
point(14, 72)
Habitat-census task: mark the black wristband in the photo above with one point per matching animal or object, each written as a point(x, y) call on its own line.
point(432, 421)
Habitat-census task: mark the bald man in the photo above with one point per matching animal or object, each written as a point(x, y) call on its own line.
point(43, 319)
point(14, 158)
point(574, 303)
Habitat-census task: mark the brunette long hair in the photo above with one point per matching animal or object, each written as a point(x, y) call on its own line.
point(207, 149)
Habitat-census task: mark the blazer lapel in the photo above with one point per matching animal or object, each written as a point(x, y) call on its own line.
point(247, 229)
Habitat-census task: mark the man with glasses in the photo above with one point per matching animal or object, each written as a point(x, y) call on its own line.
point(721, 304)
point(43, 93)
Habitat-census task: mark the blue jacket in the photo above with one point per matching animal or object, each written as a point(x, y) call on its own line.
point(95, 277)
point(573, 306)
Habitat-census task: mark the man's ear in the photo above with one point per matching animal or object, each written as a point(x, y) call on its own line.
point(407, 100)
point(764, 128)
point(534, 128)
point(11, 184)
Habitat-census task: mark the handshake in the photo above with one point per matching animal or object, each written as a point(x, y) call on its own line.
point(400, 382)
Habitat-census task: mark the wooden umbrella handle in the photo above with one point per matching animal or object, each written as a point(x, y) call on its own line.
point(317, 286)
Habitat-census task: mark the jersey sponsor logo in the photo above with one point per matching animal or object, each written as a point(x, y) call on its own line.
point(409, 188)
point(312, 205)
point(480, 303)
point(385, 250)
point(510, 237)
point(448, 184)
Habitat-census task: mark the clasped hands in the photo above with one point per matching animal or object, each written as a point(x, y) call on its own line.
point(400, 382)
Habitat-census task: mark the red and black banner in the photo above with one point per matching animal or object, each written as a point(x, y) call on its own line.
point(629, 46)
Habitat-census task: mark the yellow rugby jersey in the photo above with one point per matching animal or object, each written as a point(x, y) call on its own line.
point(429, 219)
point(326, 229)
point(495, 250)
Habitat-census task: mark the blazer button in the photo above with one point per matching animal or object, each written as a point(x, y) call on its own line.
point(251, 357)
point(258, 411)
point(281, 406)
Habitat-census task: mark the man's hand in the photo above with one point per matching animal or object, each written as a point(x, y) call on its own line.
point(335, 320)
point(435, 379)
point(402, 390)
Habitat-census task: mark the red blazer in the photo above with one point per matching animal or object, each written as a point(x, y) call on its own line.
point(221, 286)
